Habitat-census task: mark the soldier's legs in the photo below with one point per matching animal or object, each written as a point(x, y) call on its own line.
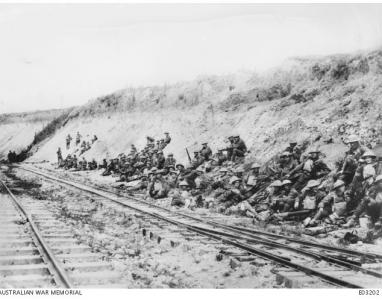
point(237, 153)
point(374, 210)
point(229, 154)
point(288, 205)
point(301, 181)
point(321, 213)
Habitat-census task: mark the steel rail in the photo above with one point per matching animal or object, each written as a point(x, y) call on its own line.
point(232, 239)
point(251, 231)
point(59, 270)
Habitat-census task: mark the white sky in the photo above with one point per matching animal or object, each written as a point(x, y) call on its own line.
point(54, 56)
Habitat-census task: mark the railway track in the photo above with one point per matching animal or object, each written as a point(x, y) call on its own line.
point(300, 258)
point(38, 251)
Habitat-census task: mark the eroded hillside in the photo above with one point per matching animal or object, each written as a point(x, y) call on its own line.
point(18, 130)
point(319, 100)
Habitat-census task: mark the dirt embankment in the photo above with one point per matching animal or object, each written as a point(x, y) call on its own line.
point(17, 130)
point(319, 100)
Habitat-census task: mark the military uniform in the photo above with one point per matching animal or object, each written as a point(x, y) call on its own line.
point(78, 138)
point(232, 196)
point(158, 188)
point(312, 168)
point(285, 201)
point(239, 148)
point(167, 138)
point(59, 156)
point(334, 204)
point(351, 158)
point(220, 157)
point(205, 152)
point(170, 160)
point(68, 139)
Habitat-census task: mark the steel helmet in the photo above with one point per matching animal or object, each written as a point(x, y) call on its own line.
point(369, 153)
point(239, 170)
point(234, 179)
point(153, 170)
point(353, 138)
point(312, 183)
point(368, 171)
point(255, 165)
point(223, 170)
point(200, 169)
point(179, 164)
point(183, 183)
point(378, 178)
point(315, 150)
point(285, 153)
point(338, 184)
point(276, 183)
point(286, 181)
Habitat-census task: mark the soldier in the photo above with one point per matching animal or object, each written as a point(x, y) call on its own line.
point(291, 146)
point(141, 185)
point(333, 206)
point(202, 181)
point(179, 197)
point(59, 156)
point(75, 162)
point(196, 161)
point(92, 165)
point(170, 160)
point(167, 138)
point(180, 168)
point(109, 168)
point(172, 178)
point(205, 152)
point(83, 147)
point(294, 150)
point(362, 200)
point(160, 160)
point(220, 157)
point(312, 168)
point(366, 165)
point(162, 144)
point(95, 138)
point(251, 179)
point(352, 156)
point(150, 142)
point(274, 189)
point(190, 175)
point(239, 172)
point(222, 180)
point(68, 162)
point(284, 166)
point(310, 197)
point(78, 138)
point(285, 202)
point(103, 165)
point(232, 196)
point(157, 187)
point(68, 140)
point(84, 164)
point(239, 148)
point(229, 148)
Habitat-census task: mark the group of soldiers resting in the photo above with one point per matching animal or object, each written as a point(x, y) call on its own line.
point(295, 182)
point(71, 161)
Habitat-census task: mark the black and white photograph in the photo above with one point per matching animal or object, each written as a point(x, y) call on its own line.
point(190, 146)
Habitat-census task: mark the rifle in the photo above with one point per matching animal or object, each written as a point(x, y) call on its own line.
point(188, 154)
